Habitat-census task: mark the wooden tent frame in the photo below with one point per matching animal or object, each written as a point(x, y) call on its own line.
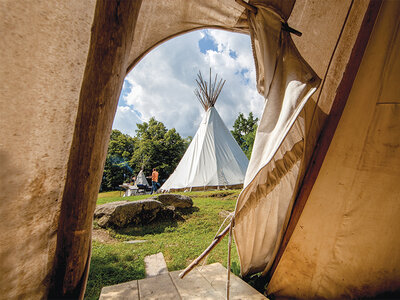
point(207, 93)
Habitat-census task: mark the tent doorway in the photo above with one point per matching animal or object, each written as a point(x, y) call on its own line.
point(161, 84)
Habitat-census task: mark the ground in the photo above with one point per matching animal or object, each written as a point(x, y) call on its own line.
point(102, 236)
point(116, 259)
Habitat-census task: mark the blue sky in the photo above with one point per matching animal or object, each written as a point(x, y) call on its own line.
point(162, 83)
point(207, 43)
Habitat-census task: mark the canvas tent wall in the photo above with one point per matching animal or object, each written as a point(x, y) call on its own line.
point(346, 242)
point(58, 102)
point(264, 208)
point(213, 158)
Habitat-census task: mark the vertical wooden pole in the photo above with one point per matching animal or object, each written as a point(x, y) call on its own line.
point(110, 44)
point(228, 265)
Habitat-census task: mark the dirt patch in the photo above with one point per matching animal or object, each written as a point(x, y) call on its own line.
point(102, 236)
point(221, 195)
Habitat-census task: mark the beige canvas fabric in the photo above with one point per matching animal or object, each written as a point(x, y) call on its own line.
point(161, 20)
point(44, 47)
point(346, 243)
point(287, 82)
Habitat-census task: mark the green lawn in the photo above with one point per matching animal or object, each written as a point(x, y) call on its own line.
point(113, 196)
point(179, 241)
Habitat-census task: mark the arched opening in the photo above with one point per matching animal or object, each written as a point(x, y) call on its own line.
point(161, 85)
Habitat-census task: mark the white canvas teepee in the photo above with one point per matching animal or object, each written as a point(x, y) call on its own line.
point(141, 179)
point(213, 158)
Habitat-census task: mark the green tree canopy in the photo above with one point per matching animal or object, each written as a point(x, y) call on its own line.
point(116, 168)
point(158, 148)
point(244, 132)
point(121, 145)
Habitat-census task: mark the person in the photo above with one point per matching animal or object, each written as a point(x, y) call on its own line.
point(154, 181)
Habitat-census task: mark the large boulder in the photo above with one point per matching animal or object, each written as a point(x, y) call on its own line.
point(123, 213)
point(178, 201)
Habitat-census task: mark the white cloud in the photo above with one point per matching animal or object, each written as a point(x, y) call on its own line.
point(126, 120)
point(162, 84)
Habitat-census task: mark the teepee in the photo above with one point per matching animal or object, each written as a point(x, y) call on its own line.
point(213, 158)
point(141, 179)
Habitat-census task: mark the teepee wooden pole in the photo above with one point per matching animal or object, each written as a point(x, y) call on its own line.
point(208, 92)
point(214, 243)
point(214, 85)
point(219, 88)
point(228, 280)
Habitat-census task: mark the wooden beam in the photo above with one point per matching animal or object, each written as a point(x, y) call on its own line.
point(110, 44)
point(330, 126)
point(214, 243)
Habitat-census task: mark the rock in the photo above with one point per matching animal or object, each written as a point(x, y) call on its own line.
point(167, 213)
point(178, 201)
point(107, 208)
point(123, 213)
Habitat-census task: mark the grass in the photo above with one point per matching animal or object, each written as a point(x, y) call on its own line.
point(113, 196)
point(179, 241)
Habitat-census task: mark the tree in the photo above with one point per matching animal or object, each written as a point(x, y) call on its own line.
point(158, 148)
point(116, 168)
point(244, 131)
point(153, 147)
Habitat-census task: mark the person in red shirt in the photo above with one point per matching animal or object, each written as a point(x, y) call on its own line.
point(154, 181)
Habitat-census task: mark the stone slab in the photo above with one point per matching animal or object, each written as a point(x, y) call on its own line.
point(135, 241)
point(158, 287)
point(126, 290)
point(155, 265)
point(216, 275)
point(194, 286)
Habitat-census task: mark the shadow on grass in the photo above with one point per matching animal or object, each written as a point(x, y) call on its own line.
point(160, 225)
point(111, 269)
point(142, 230)
point(187, 211)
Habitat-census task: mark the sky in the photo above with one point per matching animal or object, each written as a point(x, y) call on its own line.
point(161, 85)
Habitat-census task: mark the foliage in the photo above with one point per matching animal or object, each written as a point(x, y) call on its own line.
point(158, 148)
point(116, 168)
point(235, 268)
point(180, 242)
point(153, 147)
point(244, 132)
point(121, 145)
